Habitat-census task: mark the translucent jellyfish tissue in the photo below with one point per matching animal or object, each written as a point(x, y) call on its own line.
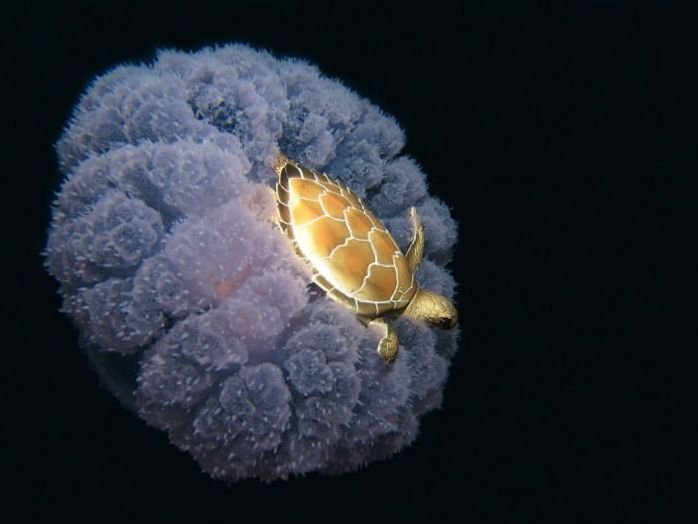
point(190, 301)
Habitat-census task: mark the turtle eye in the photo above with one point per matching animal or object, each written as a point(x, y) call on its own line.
point(452, 321)
point(446, 322)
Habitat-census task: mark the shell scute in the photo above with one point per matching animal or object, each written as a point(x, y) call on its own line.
point(380, 282)
point(334, 204)
point(359, 224)
point(383, 245)
point(304, 188)
point(321, 236)
point(355, 201)
point(349, 265)
point(304, 211)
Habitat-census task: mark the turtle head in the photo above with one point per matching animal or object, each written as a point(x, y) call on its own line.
point(432, 308)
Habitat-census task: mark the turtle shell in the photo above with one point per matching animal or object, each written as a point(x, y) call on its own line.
point(353, 256)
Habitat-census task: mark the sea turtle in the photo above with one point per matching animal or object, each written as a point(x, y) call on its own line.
point(353, 257)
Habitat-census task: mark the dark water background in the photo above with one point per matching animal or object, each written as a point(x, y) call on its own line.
point(564, 142)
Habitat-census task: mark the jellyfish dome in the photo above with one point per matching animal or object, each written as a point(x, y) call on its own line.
point(190, 301)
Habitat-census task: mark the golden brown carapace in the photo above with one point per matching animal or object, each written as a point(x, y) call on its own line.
point(353, 257)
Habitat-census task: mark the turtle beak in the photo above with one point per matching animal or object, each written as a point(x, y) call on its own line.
point(449, 320)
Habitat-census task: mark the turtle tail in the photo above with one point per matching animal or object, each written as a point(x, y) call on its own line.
point(280, 162)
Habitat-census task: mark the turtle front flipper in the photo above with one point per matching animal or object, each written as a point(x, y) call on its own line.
point(416, 249)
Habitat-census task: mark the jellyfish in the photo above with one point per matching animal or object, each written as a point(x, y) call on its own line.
point(189, 300)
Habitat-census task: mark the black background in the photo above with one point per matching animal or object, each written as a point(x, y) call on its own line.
point(564, 144)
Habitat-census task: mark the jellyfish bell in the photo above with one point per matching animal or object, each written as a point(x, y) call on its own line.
point(190, 303)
